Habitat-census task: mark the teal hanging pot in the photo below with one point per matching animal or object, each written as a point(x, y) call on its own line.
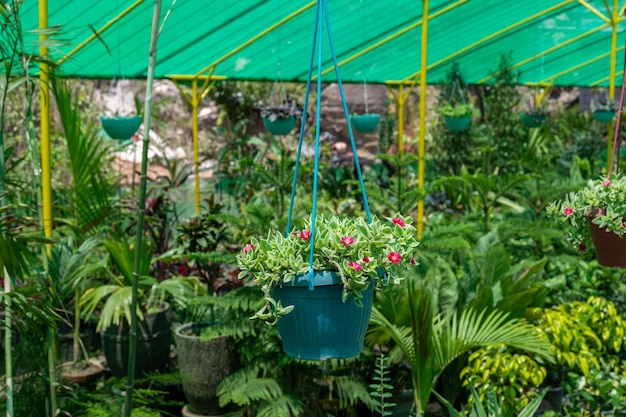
point(365, 123)
point(603, 116)
point(457, 124)
point(321, 325)
point(280, 125)
point(533, 119)
point(121, 128)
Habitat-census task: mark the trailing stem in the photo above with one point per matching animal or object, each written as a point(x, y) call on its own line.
point(141, 210)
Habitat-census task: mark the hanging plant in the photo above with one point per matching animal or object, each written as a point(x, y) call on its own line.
point(280, 119)
point(458, 117)
point(350, 258)
point(604, 108)
point(598, 211)
point(365, 123)
point(121, 127)
point(533, 119)
point(123, 124)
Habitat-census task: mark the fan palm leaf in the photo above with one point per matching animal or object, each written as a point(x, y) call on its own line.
point(430, 343)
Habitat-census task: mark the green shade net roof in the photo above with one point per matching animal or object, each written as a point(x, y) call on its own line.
point(546, 39)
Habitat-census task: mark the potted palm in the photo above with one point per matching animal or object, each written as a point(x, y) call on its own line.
point(280, 119)
point(596, 214)
point(113, 300)
point(322, 308)
point(458, 117)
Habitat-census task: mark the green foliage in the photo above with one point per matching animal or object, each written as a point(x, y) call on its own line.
point(380, 390)
point(602, 201)
point(512, 377)
point(92, 189)
point(357, 250)
point(459, 110)
point(395, 189)
point(430, 343)
point(117, 294)
point(504, 133)
point(493, 407)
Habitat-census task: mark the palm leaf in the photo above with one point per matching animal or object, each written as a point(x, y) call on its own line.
point(472, 330)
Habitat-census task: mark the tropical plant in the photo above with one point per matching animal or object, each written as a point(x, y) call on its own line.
point(361, 253)
point(430, 342)
point(93, 189)
point(117, 293)
point(601, 202)
point(381, 395)
point(494, 406)
point(513, 377)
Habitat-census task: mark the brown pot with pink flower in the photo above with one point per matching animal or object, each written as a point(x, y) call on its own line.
point(320, 298)
point(596, 214)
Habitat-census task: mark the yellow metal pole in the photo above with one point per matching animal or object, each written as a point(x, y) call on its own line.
point(195, 102)
point(46, 184)
point(578, 66)
point(494, 35)
point(422, 137)
point(595, 11)
point(609, 136)
point(100, 31)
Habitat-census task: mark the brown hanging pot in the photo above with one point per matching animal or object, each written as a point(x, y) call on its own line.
point(611, 247)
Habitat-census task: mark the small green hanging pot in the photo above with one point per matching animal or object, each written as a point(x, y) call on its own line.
point(121, 127)
point(281, 125)
point(533, 119)
point(457, 124)
point(321, 325)
point(603, 116)
point(365, 123)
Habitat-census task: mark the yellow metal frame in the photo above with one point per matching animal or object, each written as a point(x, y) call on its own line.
point(540, 91)
point(401, 98)
point(595, 11)
point(422, 138)
point(100, 31)
point(194, 100)
point(44, 94)
point(495, 35)
point(582, 64)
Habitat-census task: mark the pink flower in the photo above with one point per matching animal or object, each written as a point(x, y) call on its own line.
point(568, 211)
point(606, 183)
point(347, 240)
point(295, 234)
point(394, 257)
point(398, 221)
point(356, 266)
point(582, 247)
point(413, 261)
point(248, 248)
point(305, 234)
point(366, 259)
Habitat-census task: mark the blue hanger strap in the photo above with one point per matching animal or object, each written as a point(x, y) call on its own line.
point(347, 114)
point(318, 110)
point(303, 124)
